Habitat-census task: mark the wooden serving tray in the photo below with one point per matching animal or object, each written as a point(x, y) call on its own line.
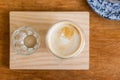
point(42, 58)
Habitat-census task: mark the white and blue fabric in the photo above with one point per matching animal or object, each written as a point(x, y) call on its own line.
point(106, 9)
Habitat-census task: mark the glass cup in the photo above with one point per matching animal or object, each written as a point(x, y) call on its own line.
point(25, 40)
point(65, 39)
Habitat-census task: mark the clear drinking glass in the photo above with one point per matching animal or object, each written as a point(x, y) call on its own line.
point(25, 40)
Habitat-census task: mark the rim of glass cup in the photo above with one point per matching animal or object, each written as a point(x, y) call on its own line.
point(76, 53)
point(22, 28)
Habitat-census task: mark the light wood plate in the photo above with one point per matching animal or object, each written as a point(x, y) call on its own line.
point(42, 58)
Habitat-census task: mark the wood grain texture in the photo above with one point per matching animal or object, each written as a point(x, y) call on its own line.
point(42, 58)
point(104, 43)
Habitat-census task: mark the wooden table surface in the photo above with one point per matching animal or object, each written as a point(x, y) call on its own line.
point(104, 43)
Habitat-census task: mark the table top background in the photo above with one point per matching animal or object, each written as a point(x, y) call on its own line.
point(104, 43)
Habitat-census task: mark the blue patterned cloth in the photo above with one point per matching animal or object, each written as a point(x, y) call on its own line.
point(106, 9)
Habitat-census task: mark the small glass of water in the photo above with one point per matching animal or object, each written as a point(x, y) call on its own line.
point(25, 40)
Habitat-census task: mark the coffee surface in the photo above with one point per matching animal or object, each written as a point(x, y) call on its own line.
point(68, 33)
point(65, 39)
